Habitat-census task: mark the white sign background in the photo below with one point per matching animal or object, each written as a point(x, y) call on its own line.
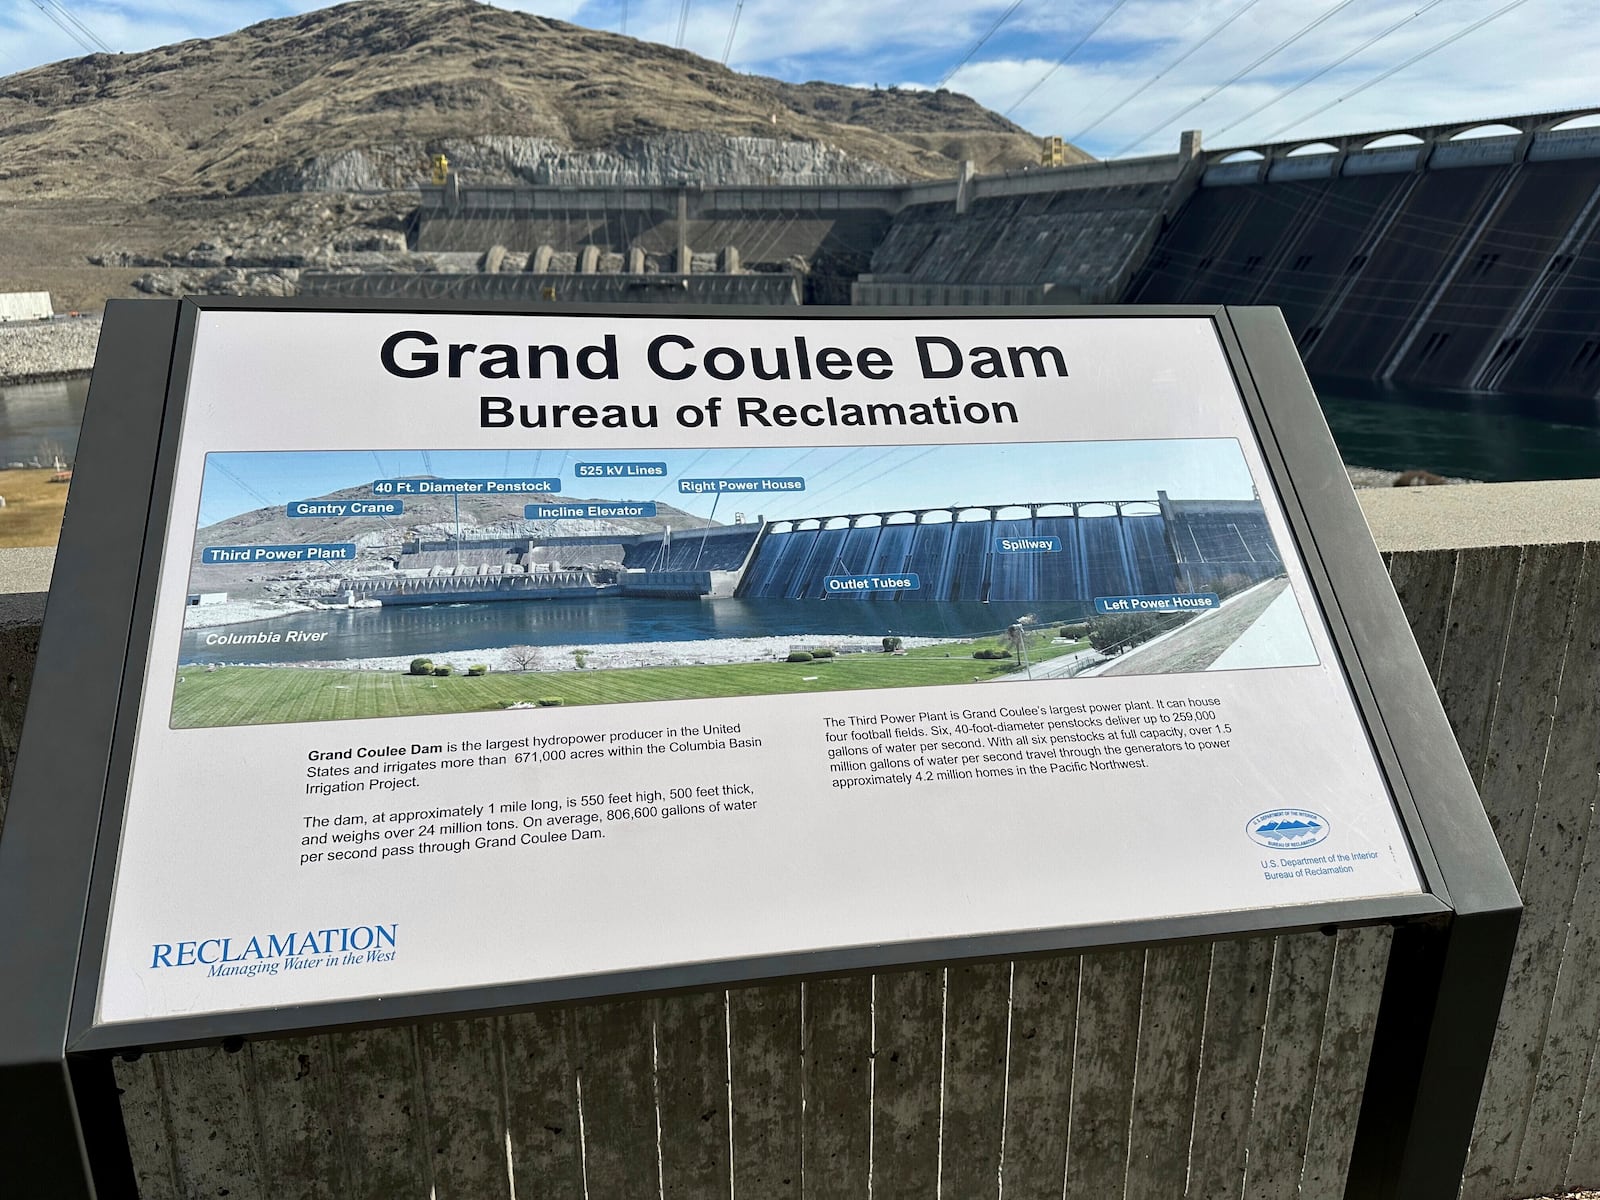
point(214, 816)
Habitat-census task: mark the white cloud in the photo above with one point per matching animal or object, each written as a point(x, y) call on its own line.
point(559, 10)
point(1529, 60)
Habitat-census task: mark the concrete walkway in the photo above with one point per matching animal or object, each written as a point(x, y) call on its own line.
point(1052, 668)
point(1278, 638)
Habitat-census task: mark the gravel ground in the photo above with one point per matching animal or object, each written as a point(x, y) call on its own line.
point(1371, 477)
point(235, 612)
point(34, 351)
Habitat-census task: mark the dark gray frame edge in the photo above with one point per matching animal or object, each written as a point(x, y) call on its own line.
point(210, 1027)
point(1453, 826)
point(1314, 528)
point(49, 848)
point(487, 999)
point(1445, 980)
point(143, 617)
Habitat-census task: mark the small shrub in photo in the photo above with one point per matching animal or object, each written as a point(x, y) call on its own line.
point(1227, 585)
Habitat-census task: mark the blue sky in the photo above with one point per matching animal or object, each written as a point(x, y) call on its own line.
point(1121, 91)
point(838, 479)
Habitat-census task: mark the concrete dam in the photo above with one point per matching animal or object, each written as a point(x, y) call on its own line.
point(1103, 548)
point(1443, 263)
point(687, 565)
point(1431, 256)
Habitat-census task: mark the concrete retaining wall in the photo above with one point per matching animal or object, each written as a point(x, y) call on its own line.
point(1084, 242)
point(1503, 593)
point(1089, 225)
point(1209, 1070)
point(532, 288)
point(768, 224)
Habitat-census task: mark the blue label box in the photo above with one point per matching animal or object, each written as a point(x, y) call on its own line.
point(578, 511)
point(619, 470)
point(867, 585)
point(1171, 603)
point(466, 487)
point(346, 508)
point(724, 486)
point(1027, 545)
point(256, 555)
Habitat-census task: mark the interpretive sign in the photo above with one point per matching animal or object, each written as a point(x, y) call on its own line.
point(464, 660)
point(1017, 607)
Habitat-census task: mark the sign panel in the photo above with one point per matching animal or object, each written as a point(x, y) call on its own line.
point(492, 648)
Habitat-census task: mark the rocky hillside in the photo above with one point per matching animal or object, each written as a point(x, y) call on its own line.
point(429, 516)
point(358, 96)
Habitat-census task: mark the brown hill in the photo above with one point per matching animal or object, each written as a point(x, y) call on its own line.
point(395, 79)
point(434, 515)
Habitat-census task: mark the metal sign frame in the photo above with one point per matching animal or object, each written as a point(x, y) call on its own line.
point(60, 1124)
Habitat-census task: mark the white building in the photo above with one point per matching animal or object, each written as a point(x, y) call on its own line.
point(25, 306)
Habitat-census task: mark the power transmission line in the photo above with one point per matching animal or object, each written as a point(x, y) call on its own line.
point(1338, 62)
point(215, 461)
point(1412, 61)
point(61, 24)
point(624, 29)
point(727, 49)
point(1177, 62)
point(1060, 62)
point(683, 23)
point(1238, 75)
point(67, 29)
point(84, 29)
point(978, 45)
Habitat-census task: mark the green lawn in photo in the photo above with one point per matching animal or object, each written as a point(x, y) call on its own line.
point(271, 695)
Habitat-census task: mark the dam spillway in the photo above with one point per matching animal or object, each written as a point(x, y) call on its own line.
point(1106, 548)
point(1062, 552)
point(1442, 264)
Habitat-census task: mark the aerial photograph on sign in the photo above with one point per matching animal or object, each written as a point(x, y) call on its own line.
point(328, 585)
